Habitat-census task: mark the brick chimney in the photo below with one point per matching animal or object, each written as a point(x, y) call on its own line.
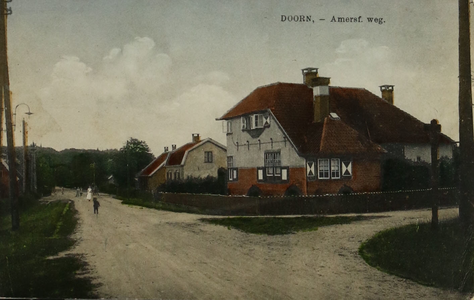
point(196, 138)
point(387, 93)
point(320, 86)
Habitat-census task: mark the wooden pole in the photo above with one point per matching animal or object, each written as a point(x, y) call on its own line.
point(466, 142)
point(26, 165)
point(5, 83)
point(434, 130)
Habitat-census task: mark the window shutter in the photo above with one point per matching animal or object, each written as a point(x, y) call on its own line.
point(266, 121)
point(243, 121)
point(347, 168)
point(310, 169)
point(252, 122)
point(284, 174)
point(260, 174)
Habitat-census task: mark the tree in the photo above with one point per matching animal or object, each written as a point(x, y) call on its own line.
point(131, 158)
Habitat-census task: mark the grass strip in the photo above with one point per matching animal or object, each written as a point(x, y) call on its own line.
point(442, 258)
point(279, 225)
point(26, 269)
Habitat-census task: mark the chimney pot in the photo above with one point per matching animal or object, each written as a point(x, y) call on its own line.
point(166, 149)
point(309, 74)
point(173, 147)
point(196, 138)
point(387, 93)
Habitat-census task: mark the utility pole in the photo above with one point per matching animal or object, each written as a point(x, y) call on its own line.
point(5, 83)
point(26, 165)
point(434, 130)
point(466, 178)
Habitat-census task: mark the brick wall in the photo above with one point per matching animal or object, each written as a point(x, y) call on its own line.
point(248, 177)
point(366, 177)
point(324, 204)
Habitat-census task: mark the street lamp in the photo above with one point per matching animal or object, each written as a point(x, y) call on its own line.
point(25, 143)
point(29, 113)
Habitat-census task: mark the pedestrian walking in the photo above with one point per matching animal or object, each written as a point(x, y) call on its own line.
point(89, 194)
point(96, 206)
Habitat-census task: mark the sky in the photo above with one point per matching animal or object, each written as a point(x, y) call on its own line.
point(97, 72)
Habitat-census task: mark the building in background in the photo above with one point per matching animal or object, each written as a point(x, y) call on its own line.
point(197, 159)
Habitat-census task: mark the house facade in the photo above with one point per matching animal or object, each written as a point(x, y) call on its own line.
point(197, 159)
point(311, 138)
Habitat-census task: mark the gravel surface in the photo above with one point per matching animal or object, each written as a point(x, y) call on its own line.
point(136, 252)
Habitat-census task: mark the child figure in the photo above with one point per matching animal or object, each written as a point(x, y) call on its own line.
point(96, 206)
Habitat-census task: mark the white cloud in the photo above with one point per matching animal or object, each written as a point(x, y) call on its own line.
point(419, 90)
point(125, 96)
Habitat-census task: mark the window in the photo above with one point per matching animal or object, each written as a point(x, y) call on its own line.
point(227, 127)
point(208, 156)
point(257, 121)
point(323, 168)
point(245, 122)
point(230, 162)
point(335, 168)
point(232, 174)
point(169, 175)
point(272, 163)
point(176, 175)
point(329, 168)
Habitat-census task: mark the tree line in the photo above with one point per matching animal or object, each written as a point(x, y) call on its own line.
point(109, 170)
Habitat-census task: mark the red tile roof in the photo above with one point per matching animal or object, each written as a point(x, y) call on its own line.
point(379, 120)
point(177, 155)
point(368, 118)
point(148, 170)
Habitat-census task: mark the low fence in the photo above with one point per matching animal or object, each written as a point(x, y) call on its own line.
point(318, 204)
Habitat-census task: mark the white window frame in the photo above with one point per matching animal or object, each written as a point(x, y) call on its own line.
point(256, 121)
point(335, 168)
point(324, 171)
point(233, 174)
point(272, 163)
point(230, 162)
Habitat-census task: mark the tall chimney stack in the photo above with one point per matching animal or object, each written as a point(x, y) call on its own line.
point(320, 86)
point(387, 93)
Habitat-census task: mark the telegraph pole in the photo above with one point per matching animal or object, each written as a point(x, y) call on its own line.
point(5, 84)
point(466, 179)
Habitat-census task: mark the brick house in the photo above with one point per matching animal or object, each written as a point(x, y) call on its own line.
point(310, 138)
point(197, 159)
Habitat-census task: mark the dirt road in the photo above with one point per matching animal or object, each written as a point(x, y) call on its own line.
point(144, 253)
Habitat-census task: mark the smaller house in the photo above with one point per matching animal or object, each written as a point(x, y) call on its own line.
point(197, 159)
